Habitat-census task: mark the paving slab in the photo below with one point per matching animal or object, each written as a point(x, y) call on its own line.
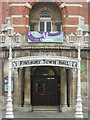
point(44, 114)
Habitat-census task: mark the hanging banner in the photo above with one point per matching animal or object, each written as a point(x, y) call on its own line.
point(39, 36)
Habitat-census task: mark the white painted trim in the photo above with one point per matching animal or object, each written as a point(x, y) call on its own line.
point(27, 5)
point(20, 16)
point(70, 25)
point(64, 4)
point(20, 25)
point(87, 0)
point(73, 16)
point(44, 19)
point(17, 5)
point(74, 5)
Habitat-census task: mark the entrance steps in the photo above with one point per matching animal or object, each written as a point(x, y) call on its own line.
point(45, 108)
point(29, 108)
point(25, 108)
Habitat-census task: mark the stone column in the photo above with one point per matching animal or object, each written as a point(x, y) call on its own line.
point(17, 87)
point(68, 84)
point(73, 96)
point(20, 84)
point(72, 88)
point(30, 91)
point(63, 93)
point(27, 86)
point(88, 80)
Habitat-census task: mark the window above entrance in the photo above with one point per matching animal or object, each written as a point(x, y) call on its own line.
point(45, 23)
point(45, 14)
point(32, 26)
point(58, 26)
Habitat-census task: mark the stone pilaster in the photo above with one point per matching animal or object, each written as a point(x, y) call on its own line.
point(17, 87)
point(63, 94)
point(72, 88)
point(88, 80)
point(30, 91)
point(27, 86)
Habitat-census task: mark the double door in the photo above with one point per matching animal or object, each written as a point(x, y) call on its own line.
point(45, 90)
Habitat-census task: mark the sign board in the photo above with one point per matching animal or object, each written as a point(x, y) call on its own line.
point(44, 62)
point(39, 36)
point(82, 68)
point(6, 84)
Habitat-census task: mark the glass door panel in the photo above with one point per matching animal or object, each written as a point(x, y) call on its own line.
point(45, 26)
point(48, 26)
point(42, 26)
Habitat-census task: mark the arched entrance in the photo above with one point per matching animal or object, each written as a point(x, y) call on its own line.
point(45, 88)
point(45, 80)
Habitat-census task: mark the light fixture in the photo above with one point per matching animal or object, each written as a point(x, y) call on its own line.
point(10, 31)
point(72, 38)
point(2, 38)
point(86, 37)
point(79, 32)
point(18, 37)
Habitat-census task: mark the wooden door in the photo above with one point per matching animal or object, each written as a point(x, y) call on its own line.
point(45, 87)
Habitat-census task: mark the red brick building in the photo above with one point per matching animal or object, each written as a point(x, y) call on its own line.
point(72, 14)
point(28, 88)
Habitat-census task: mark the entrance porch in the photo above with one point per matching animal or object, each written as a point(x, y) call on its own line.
point(33, 97)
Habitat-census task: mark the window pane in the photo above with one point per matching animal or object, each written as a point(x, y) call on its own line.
point(41, 26)
point(48, 26)
point(45, 14)
point(58, 27)
point(49, 85)
point(32, 27)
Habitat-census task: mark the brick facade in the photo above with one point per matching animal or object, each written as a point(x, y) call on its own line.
point(71, 13)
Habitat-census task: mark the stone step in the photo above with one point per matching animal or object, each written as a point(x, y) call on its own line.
point(45, 108)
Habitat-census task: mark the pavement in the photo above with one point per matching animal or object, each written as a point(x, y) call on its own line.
point(44, 114)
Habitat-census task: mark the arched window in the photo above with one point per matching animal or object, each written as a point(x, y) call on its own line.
point(45, 14)
point(45, 23)
point(45, 17)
